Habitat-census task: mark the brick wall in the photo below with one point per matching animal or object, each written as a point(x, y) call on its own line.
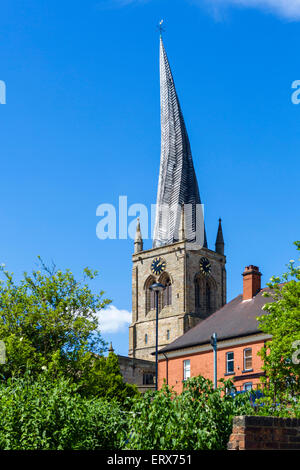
point(264, 433)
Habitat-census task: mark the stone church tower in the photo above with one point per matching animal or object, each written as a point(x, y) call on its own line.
point(193, 275)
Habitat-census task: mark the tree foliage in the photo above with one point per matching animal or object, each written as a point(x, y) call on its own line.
point(39, 413)
point(49, 322)
point(104, 379)
point(199, 418)
point(282, 322)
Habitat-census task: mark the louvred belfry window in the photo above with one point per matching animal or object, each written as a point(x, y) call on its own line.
point(150, 295)
point(167, 293)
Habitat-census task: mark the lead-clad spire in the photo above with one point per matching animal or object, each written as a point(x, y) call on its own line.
point(177, 183)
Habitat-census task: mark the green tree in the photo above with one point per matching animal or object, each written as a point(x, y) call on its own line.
point(105, 379)
point(282, 322)
point(49, 321)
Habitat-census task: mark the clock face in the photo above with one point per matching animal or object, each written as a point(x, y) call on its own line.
point(205, 265)
point(158, 265)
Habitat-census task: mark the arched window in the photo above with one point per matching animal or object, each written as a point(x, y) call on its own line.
point(166, 295)
point(149, 295)
point(199, 293)
point(205, 294)
point(208, 297)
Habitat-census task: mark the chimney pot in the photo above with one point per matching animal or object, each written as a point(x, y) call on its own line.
point(251, 281)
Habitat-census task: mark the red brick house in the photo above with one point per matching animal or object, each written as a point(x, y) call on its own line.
point(239, 340)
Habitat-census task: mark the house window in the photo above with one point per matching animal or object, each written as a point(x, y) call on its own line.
point(146, 338)
point(248, 386)
point(186, 369)
point(230, 363)
point(248, 359)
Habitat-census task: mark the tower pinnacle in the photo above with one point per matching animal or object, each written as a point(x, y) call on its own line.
point(138, 241)
point(220, 239)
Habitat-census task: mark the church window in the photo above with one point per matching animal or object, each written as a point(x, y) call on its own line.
point(166, 294)
point(146, 338)
point(150, 295)
point(205, 295)
point(208, 297)
point(168, 334)
point(148, 379)
point(197, 294)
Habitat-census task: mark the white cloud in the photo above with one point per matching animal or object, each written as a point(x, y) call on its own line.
point(289, 9)
point(286, 8)
point(112, 320)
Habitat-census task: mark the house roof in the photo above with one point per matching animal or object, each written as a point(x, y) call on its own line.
point(235, 319)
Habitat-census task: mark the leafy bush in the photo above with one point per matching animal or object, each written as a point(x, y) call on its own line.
point(199, 418)
point(39, 414)
point(282, 322)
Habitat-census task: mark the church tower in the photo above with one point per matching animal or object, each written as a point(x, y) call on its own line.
point(193, 275)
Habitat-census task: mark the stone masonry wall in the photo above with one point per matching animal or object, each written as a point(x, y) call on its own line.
point(264, 433)
point(182, 265)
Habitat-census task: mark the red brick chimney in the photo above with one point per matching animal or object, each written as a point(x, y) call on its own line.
point(251, 282)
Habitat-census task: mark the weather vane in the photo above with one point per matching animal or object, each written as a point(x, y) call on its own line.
point(160, 28)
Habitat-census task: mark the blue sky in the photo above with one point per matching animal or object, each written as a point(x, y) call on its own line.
point(81, 127)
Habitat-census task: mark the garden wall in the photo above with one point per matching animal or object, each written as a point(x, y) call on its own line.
point(264, 433)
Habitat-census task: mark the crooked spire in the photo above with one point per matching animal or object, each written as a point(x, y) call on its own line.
point(177, 183)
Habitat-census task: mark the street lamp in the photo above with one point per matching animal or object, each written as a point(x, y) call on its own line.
point(214, 343)
point(156, 288)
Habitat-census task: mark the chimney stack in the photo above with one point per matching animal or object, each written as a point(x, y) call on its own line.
point(251, 282)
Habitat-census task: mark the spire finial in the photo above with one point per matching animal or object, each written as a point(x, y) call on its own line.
point(160, 27)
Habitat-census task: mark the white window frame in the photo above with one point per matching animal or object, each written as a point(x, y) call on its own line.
point(247, 384)
point(186, 369)
point(229, 361)
point(244, 354)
